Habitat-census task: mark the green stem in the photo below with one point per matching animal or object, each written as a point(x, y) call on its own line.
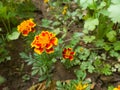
point(5, 25)
point(9, 27)
point(3, 38)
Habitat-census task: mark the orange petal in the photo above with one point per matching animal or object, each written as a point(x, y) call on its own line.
point(54, 41)
point(39, 50)
point(51, 50)
point(25, 33)
point(48, 46)
point(71, 58)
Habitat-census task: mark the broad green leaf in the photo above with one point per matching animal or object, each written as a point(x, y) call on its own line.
point(90, 24)
point(86, 3)
point(107, 47)
point(111, 36)
point(117, 45)
point(115, 1)
point(15, 35)
point(110, 88)
point(114, 13)
point(102, 4)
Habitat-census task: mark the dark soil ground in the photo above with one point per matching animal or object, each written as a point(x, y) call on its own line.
point(15, 69)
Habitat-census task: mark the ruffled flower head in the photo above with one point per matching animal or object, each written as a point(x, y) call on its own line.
point(26, 27)
point(45, 41)
point(68, 53)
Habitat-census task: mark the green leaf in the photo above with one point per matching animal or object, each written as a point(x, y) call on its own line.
point(107, 47)
point(80, 74)
point(46, 23)
point(102, 4)
point(114, 53)
point(42, 78)
point(115, 1)
point(86, 3)
point(91, 68)
point(90, 24)
point(114, 13)
point(34, 72)
point(15, 35)
point(100, 43)
point(88, 39)
point(107, 69)
point(110, 87)
point(111, 36)
point(116, 45)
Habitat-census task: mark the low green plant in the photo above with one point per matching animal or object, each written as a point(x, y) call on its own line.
point(41, 64)
point(10, 13)
point(89, 46)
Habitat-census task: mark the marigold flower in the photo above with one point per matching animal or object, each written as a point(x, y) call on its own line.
point(81, 86)
point(64, 10)
point(46, 1)
point(118, 88)
point(26, 27)
point(44, 42)
point(68, 53)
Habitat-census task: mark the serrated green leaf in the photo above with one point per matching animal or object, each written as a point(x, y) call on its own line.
point(88, 39)
point(90, 24)
point(80, 74)
point(107, 69)
point(114, 13)
point(111, 36)
point(91, 68)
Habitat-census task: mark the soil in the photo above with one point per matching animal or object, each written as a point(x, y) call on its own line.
point(14, 70)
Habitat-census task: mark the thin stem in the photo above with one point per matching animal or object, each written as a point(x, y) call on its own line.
point(5, 25)
point(9, 27)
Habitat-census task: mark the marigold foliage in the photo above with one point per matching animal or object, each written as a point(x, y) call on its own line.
point(68, 53)
point(26, 27)
point(45, 41)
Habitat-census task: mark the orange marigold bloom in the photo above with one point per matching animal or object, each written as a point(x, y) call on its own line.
point(118, 88)
point(68, 53)
point(26, 27)
point(44, 41)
